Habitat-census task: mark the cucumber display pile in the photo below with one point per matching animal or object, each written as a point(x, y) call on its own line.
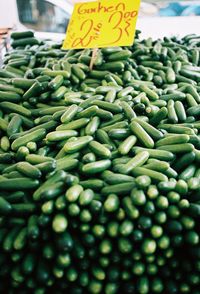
point(100, 168)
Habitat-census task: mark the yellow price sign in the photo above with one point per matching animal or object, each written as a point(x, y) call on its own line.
point(102, 23)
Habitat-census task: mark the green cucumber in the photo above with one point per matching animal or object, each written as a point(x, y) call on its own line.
point(96, 167)
point(32, 136)
point(141, 134)
point(28, 170)
point(18, 184)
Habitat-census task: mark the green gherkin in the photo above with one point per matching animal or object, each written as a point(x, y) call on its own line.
point(100, 177)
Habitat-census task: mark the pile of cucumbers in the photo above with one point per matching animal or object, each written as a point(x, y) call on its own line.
point(100, 168)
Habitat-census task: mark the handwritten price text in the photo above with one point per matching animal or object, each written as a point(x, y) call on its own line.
point(99, 24)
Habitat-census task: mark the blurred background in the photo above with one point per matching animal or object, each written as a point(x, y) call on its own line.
point(170, 8)
point(49, 18)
